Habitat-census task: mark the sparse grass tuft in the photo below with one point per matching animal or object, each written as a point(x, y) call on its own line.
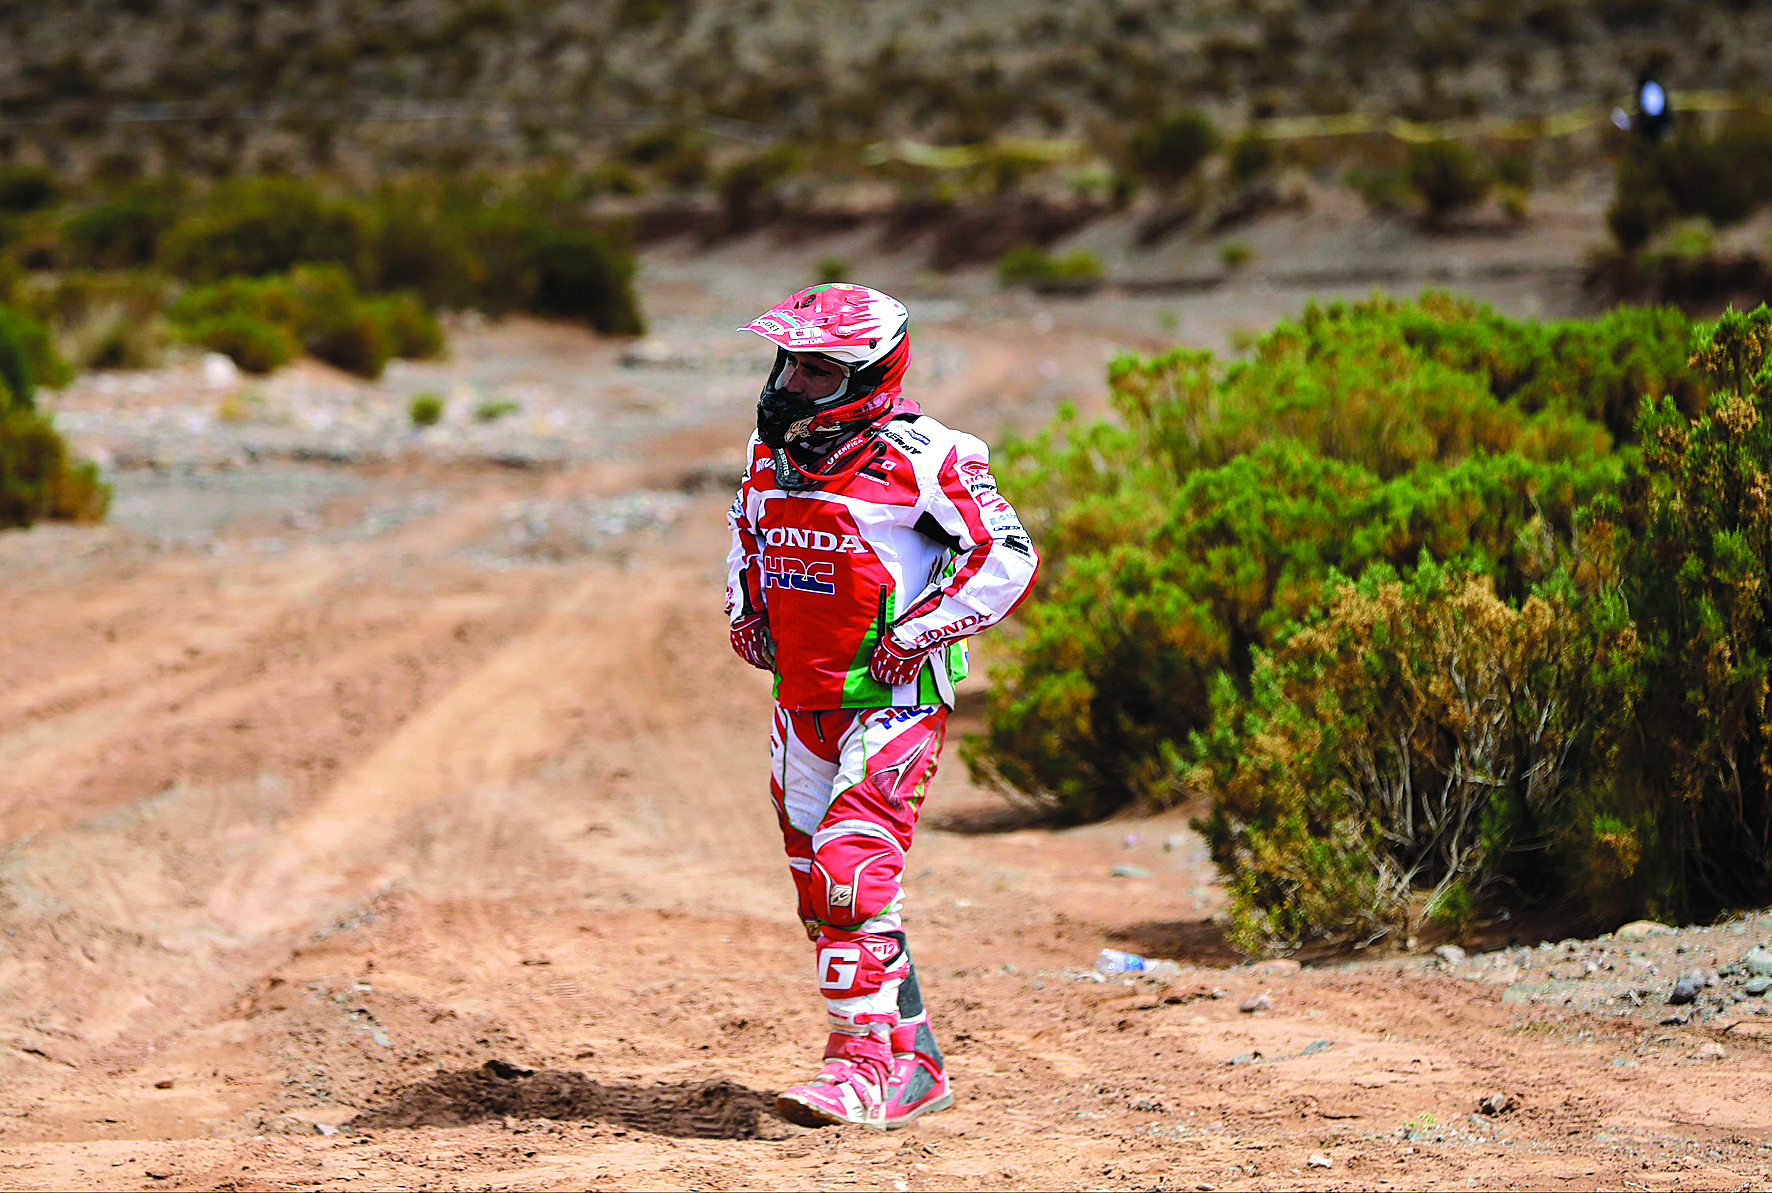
point(425, 410)
point(242, 405)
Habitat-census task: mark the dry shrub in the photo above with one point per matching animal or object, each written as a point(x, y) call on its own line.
point(1695, 525)
point(38, 476)
point(261, 322)
point(1418, 734)
point(1447, 176)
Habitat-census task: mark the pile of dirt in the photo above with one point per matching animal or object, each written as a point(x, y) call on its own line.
point(717, 1109)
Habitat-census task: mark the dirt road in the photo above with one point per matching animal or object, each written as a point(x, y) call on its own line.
point(400, 821)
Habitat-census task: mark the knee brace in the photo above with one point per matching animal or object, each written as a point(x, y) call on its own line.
point(856, 872)
point(859, 974)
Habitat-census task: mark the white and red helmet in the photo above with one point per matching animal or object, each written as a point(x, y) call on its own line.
point(865, 331)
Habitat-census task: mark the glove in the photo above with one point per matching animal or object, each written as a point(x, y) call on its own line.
point(894, 665)
point(752, 643)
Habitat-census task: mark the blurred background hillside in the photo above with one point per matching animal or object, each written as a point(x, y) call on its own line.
point(986, 133)
point(104, 87)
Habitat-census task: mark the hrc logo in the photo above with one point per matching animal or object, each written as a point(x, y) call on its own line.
point(780, 571)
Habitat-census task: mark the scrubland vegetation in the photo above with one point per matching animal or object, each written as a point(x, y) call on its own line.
point(1439, 612)
point(514, 82)
point(263, 268)
point(752, 109)
point(38, 478)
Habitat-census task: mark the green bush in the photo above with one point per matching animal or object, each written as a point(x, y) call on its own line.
point(333, 323)
point(470, 242)
point(412, 331)
point(1447, 177)
point(1694, 539)
point(424, 244)
point(1640, 206)
point(1693, 237)
point(100, 319)
point(121, 233)
point(1725, 179)
point(832, 268)
point(674, 153)
point(25, 189)
point(352, 339)
point(1597, 369)
point(581, 275)
point(477, 16)
point(1149, 600)
point(425, 410)
point(122, 342)
point(1250, 156)
point(269, 224)
point(1185, 535)
point(316, 308)
point(1170, 150)
point(267, 299)
point(256, 345)
point(1025, 265)
point(1386, 191)
point(1704, 177)
point(1383, 383)
point(1241, 600)
point(1513, 175)
point(27, 359)
point(631, 14)
point(38, 477)
point(529, 260)
point(1515, 170)
point(749, 187)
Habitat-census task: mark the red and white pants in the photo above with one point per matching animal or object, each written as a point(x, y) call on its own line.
point(847, 785)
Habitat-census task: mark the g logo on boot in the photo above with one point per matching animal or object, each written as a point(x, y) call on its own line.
point(837, 964)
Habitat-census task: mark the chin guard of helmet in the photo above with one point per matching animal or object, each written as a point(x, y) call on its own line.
point(782, 417)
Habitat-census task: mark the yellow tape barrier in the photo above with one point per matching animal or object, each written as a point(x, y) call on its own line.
point(1293, 128)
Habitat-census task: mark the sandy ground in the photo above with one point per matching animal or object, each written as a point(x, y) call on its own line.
point(329, 780)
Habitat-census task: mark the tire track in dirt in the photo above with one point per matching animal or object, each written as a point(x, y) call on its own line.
point(584, 673)
point(91, 724)
point(168, 784)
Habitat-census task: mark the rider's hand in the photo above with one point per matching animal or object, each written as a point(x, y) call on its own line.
point(894, 665)
point(752, 643)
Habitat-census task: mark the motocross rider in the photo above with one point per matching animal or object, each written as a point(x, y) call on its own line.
point(868, 542)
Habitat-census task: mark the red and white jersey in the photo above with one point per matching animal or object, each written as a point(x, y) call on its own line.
point(915, 540)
